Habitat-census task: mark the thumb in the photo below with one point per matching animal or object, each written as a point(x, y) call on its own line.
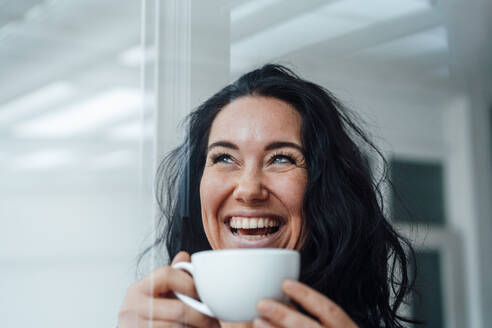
point(181, 257)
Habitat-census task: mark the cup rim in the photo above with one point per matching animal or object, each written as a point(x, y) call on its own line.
point(248, 250)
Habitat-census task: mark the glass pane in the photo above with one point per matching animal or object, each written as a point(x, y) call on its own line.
point(427, 303)
point(70, 151)
point(418, 193)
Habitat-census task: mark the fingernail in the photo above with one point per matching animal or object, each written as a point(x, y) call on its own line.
point(260, 323)
point(290, 285)
point(265, 307)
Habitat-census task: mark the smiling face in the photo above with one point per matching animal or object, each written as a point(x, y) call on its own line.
point(255, 176)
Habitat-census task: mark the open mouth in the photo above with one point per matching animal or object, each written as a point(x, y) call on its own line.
point(253, 228)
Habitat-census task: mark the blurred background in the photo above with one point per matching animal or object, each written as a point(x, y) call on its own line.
point(92, 92)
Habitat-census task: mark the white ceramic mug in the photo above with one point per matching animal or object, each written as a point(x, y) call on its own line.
point(231, 282)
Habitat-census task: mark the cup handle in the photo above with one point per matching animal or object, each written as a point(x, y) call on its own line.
point(197, 305)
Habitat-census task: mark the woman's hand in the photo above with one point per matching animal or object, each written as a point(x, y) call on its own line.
point(152, 301)
point(275, 314)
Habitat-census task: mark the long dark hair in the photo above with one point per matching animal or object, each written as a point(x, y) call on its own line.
point(351, 254)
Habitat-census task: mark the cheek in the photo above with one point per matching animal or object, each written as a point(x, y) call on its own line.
point(212, 192)
point(291, 190)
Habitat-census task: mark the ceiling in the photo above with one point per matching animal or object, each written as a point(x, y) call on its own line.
point(405, 33)
point(71, 69)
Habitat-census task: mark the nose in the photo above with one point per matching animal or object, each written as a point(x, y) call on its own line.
point(250, 187)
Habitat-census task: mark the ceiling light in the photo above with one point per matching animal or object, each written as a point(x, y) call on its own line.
point(132, 131)
point(114, 159)
point(136, 55)
point(429, 41)
point(374, 10)
point(84, 116)
point(43, 159)
point(249, 8)
point(30, 103)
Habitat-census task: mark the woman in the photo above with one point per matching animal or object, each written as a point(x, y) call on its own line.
point(273, 160)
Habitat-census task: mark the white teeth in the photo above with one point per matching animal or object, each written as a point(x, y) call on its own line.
point(253, 237)
point(252, 223)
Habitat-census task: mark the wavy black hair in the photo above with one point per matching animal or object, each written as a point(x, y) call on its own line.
point(351, 254)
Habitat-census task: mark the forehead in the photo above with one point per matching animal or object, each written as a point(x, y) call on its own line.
point(253, 118)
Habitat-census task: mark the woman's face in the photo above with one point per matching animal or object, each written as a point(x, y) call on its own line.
point(255, 176)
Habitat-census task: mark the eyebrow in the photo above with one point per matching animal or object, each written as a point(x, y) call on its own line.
point(225, 144)
point(283, 144)
point(270, 146)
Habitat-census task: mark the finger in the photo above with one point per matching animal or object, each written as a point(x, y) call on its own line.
point(169, 279)
point(138, 322)
point(128, 318)
point(327, 311)
point(163, 324)
point(172, 310)
point(281, 315)
point(261, 323)
point(181, 257)
point(165, 279)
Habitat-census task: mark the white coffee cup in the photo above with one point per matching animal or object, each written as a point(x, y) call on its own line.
point(231, 282)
